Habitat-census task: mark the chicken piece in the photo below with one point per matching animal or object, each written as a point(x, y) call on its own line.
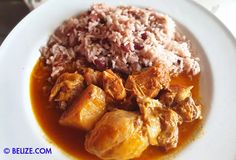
point(150, 115)
point(161, 123)
point(188, 110)
point(113, 85)
point(86, 110)
point(167, 97)
point(129, 104)
point(183, 93)
point(67, 86)
point(175, 94)
point(148, 82)
point(92, 77)
point(180, 99)
point(117, 136)
point(168, 137)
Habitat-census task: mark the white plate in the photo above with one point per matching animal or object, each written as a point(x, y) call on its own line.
point(216, 45)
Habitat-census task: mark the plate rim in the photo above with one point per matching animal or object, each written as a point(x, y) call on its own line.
point(21, 23)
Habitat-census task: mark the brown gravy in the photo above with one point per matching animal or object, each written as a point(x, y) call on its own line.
point(72, 140)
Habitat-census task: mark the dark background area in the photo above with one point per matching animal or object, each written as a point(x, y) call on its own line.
point(11, 12)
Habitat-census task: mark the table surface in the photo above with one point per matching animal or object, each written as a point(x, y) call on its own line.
point(225, 10)
point(8, 18)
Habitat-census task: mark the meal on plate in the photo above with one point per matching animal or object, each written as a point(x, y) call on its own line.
point(117, 83)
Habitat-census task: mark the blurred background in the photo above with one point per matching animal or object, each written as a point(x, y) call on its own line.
point(12, 11)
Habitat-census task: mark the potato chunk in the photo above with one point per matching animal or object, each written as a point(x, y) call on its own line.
point(149, 82)
point(113, 85)
point(117, 136)
point(86, 110)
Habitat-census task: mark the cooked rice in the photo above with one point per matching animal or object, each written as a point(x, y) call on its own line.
point(123, 38)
